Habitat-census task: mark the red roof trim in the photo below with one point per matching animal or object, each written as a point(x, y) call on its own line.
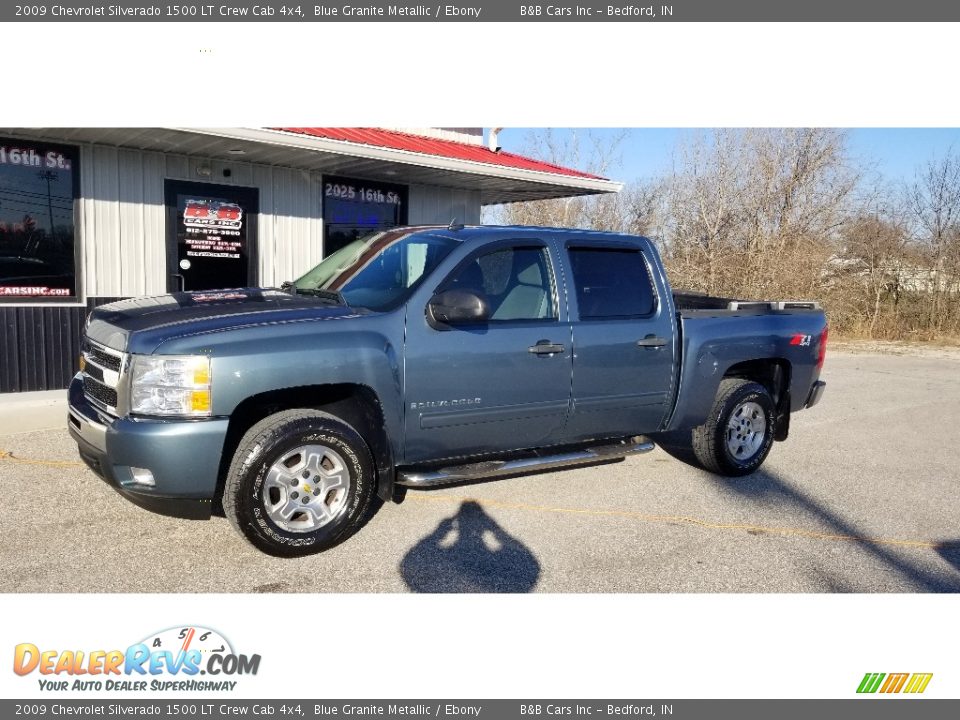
point(441, 148)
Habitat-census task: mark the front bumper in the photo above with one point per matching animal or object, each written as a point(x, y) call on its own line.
point(183, 455)
point(816, 392)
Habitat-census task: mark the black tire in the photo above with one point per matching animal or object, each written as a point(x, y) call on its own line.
point(709, 441)
point(265, 444)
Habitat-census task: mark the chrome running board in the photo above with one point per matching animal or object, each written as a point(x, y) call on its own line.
point(485, 469)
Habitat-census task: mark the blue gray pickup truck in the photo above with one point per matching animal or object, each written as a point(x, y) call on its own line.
point(418, 357)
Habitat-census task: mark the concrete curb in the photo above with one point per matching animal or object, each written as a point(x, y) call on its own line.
point(32, 411)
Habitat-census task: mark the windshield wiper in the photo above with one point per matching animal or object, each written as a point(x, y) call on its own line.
point(332, 295)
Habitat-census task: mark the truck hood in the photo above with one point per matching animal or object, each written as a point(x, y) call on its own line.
point(139, 325)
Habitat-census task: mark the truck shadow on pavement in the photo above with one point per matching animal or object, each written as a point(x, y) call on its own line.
point(470, 552)
point(766, 487)
point(950, 551)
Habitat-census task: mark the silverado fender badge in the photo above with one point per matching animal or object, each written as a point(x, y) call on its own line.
point(459, 402)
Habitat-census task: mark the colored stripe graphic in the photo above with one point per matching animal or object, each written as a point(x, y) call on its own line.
point(870, 682)
point(895, 682)
point(918, 683)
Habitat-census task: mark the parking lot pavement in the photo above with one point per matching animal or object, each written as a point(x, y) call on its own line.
point(861, 498)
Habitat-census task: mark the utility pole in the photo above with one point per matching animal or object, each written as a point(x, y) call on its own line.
point(50, 177)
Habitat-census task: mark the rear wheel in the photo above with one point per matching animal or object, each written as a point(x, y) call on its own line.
point(738, 434)
point(301, 481)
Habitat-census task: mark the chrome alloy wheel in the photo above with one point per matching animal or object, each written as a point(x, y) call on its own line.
point(306, 488)
point(746, 431)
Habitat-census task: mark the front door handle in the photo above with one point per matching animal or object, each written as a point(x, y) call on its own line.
point(545, 347)
point(652, 341)
point(181, 281)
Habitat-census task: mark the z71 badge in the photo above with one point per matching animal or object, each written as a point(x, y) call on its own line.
point(801, 340)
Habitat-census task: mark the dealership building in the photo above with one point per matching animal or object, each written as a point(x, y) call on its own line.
point(89, 215)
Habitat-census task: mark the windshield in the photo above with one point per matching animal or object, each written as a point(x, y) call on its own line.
point(380, 270)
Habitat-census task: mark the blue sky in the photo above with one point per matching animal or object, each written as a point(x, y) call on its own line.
point(894, 152)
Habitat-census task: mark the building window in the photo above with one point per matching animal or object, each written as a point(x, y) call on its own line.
point(38, 249)
point(355, 208)
point(612, 283)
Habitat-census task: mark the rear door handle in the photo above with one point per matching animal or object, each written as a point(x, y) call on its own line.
point(545, 347)
point(652, 341)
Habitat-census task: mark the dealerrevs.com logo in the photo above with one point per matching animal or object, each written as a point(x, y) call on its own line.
point(171, 660)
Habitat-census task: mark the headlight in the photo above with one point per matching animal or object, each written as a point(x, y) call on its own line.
point(170, 385)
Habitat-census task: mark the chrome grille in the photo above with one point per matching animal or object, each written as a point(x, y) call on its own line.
point(99, 392)
point(101, 374)
point(104, 359)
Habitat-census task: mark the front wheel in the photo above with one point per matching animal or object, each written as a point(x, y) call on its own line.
point(301, 481)
point(738, 434)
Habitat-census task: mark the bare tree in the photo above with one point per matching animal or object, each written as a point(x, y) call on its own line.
point(756, 212)
point(873, 267)
point(585, 151)
point(781, 213)
point(935, 200)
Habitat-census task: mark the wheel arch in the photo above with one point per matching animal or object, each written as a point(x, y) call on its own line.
point(356, 404)
point(775, 375)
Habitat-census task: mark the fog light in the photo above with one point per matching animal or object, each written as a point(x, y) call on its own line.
point(142, 476)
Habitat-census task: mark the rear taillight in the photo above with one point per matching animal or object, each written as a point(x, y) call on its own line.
point(822, 354)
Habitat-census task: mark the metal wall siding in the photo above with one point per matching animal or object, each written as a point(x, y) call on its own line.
point(154, 229)
point(263, 179)
point(133, 275)
point(282, 225)
point(106, 212)
point(87, 225)
point(305, 215)
point(430, 204)
point(241, 173)
point(178, 166)
point(293, 213)
point(9, 365)
point(41, 345)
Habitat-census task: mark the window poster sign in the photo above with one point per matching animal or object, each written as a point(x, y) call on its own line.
point(212, 235)
point(38, 189)
point(212, 228)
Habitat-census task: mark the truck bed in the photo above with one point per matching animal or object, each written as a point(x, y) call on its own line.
point(689, 303)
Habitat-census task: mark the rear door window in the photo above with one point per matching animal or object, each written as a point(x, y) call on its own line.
point(612, 283)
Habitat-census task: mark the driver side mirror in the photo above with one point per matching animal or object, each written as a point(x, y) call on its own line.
point(457, 307)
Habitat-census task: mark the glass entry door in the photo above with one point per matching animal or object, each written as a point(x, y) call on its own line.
point(211, 236)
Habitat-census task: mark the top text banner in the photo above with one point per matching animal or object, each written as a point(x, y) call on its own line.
point(489, 11)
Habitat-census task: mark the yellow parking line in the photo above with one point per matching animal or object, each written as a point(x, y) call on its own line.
point(676, 519)
point(646, 517)
point(5, 455)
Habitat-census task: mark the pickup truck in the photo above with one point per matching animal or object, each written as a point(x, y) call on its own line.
point(422, 356)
